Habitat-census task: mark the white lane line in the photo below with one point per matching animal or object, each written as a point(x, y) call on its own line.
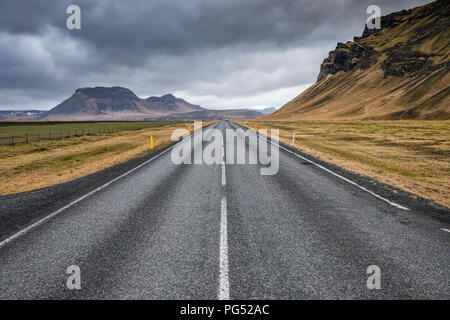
point(224, 283)
point(41, 221)
point(337, 175)
point(224, 176)
point(443, 229)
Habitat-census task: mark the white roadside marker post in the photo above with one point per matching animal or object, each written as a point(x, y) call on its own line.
point(293, 137)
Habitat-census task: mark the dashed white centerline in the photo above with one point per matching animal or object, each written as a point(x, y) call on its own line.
point(224, 283)
point(224, 177)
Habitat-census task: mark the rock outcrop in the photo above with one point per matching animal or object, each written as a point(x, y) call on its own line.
point(390, 21)
point(398, 72)
point(347, 57)
point(402, 61)
point(399, 61)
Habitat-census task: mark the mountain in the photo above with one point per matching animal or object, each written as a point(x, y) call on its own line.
point(209, 115)
point(397, 72)
point(19, 114)
point(171, 103)
point(265, 111)
point(268, 110)
point(116, 103)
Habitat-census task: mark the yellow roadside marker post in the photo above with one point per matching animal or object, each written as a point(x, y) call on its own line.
point(189, 128)
point(151, 142)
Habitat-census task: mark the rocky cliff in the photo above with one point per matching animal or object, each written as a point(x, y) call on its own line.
point(347, 57)
point(397, 72)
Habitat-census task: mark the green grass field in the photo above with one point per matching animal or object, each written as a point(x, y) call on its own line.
point(24, 131)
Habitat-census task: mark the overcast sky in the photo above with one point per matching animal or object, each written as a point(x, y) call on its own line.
point(216, 53)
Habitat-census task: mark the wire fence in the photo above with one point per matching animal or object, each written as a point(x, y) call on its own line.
point(14, 139)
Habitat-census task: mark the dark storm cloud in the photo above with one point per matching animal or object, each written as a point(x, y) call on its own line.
point(214, 52)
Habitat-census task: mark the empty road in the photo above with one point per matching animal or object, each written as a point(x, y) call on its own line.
point(224, 231)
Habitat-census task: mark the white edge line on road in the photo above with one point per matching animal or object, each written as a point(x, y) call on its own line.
point(224, 283)
point(336, 174)
point(443, 229)
point(41, 221)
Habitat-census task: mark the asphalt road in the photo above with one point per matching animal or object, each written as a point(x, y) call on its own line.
point(209, 231)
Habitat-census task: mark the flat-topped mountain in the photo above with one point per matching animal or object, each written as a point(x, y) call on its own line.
point(397, 72)
point(99, 102)
point(116, 103)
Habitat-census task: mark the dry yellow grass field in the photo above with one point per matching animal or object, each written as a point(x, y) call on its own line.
point(26, 167)
point(411, 155)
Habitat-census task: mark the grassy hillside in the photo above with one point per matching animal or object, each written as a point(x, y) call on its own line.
point(398, 72)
